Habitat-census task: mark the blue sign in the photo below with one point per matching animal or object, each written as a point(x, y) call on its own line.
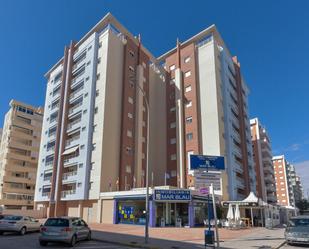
point(207, 162)
point(172, 195)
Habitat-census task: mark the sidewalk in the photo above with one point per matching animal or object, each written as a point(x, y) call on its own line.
point(184, 238)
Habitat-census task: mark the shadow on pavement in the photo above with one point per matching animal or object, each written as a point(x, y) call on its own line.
point(138, 241)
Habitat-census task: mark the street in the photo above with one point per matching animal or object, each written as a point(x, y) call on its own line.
point(30, 241)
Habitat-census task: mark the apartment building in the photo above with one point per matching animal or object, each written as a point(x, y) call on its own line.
point(94, 136)
point(298, 190)
point(262, 156)
point(284, 176)
point(19, 152)
point(207, 113)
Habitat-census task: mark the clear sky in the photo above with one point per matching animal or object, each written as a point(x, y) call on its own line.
point(270, 39)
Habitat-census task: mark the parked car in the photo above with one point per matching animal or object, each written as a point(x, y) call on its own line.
point(65, 229)
point(297, 230)
point(18, 223)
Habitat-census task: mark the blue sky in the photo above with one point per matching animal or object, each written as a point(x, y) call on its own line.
point(270, 39)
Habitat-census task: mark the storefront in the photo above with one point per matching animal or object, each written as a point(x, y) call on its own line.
point(167, 207)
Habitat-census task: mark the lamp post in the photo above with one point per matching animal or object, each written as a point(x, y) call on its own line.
point(147, 167)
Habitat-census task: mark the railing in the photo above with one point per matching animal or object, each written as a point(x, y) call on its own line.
point(48, 178)
point(65, 176)
point(70, 125)
point(73, 94)
point(68, 192)
point(44, 194)
point(72, 109)
point(55, 106)
point(49, 163)
point(68, 142)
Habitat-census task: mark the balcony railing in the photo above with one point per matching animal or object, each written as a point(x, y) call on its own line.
point(65, 193)
point(70, 125)
point(46, 194)
point(65, 176)
point(70, 141)
point(72, 109)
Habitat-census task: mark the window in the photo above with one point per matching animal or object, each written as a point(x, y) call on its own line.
point(188, 88)
point(94, 146)
point(97, 93)
point(189, 120)
point(94, 128)
point(86, 94)
point(187, 59)
point(100, 44)
point(172, 140)
point(99, 60)
point(129, 133)
point(173, 157)
point(130, 100)
point(128, 169)
point(82, 147)
point(131, 68)
point(98, 76)
point(173, 109)
point(172, 81)
point(173, 173)
point(172, 67)
point(187, 74)
point(189, 136)
point(131, 53)
point(96, 110)
point(130, 115)
point(89, 47)
point(173, 125)
point(189, 104)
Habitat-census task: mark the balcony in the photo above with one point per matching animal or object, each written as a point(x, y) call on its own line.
point(70, 161)
point(68, 193)
point(75, 108)
point(75, 94)
point(69, 176)
point(72, 141)
point(269, 179)
point(74, 124)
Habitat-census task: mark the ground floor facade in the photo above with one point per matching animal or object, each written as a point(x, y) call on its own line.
point(167, 207)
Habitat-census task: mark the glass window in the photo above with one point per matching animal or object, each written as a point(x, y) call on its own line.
point(189, 136)
point(131, 212)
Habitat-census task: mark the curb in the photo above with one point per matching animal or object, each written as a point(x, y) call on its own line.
point(133, 245)
point(280, 245)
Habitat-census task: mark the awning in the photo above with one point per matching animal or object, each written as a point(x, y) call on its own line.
point(70, 150)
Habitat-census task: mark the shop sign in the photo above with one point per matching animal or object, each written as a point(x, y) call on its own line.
point(172, 195)
point(205, 179)
point(206, 162)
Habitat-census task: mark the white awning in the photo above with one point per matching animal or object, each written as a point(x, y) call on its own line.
point(70, 150)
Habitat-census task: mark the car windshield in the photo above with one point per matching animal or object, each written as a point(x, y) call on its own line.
point(56, 222)
point(12, 217)
point(299, 223)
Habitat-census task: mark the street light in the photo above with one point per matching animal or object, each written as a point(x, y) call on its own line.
point(147, 166)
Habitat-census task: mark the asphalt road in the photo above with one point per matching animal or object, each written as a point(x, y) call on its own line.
point(30, 241)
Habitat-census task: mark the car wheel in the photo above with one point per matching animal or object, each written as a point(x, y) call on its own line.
point(23, 231)
point(73, 241)
point(43, 243)
point(88, 236)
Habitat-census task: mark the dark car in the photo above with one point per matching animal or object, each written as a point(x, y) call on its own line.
point(65, 229)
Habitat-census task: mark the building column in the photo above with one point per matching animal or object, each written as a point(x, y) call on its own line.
point(115, 212)
point(99, 211)
point(191, 214)
point(152, 214)
point(80, 209)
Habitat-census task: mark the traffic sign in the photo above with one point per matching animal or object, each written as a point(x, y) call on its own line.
point(207, 162)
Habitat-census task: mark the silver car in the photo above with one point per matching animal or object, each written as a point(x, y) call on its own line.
point(18, 223)
point(297, 230)
point(65, 229)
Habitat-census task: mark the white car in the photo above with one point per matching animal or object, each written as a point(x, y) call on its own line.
point(19, 224)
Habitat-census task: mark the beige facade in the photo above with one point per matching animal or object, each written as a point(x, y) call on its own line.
point(262, 155)
point(19, 154)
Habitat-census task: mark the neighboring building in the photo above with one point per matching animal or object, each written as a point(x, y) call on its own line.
point(298, 190)
point(207, 113)
point(95, 123)
point(285, 179)
point(19, 154)
point(262, 155)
